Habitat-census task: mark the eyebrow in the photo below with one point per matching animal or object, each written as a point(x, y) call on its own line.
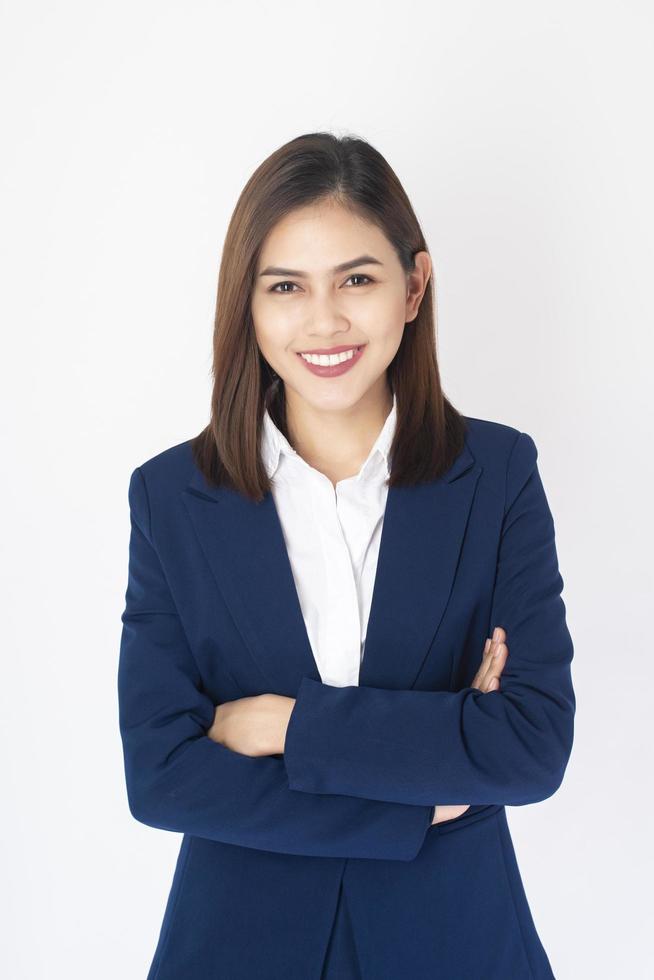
point(276, 270)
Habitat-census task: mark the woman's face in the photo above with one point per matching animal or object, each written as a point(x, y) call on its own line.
point(301, 302)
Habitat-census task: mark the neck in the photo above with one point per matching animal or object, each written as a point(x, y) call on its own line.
point(337, 442)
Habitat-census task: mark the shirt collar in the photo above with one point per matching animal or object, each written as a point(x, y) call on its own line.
point(274, 444)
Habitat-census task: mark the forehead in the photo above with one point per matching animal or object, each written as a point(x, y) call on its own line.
point(320, 236)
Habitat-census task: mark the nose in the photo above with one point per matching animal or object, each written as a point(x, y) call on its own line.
point(326, 322)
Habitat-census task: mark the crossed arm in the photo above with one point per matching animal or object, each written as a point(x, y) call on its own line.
point(257, 726)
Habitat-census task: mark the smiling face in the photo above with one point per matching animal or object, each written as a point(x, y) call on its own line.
point(328, 280)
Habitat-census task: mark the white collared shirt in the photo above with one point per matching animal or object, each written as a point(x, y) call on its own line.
point(332, 536)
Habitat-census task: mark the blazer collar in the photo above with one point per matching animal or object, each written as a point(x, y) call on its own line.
point(421, 540)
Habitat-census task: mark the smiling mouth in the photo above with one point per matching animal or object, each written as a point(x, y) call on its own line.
point(326, 358)
point(332, 365)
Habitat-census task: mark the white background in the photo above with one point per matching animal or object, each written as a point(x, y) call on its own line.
point(522, 134)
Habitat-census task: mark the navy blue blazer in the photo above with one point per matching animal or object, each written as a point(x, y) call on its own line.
point(276, 848)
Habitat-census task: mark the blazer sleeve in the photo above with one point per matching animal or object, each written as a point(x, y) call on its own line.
point(509, 746)
point(179, 779)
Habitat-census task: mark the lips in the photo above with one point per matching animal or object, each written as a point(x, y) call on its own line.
point(334, 370)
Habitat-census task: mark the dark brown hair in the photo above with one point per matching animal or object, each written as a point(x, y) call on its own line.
point(309, 169)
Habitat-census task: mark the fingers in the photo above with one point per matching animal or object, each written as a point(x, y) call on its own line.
point(449, 812)
point(499, 636)
point(482, 669)
point(493, 662)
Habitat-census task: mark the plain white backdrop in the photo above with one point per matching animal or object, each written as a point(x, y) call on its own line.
point(522, 133)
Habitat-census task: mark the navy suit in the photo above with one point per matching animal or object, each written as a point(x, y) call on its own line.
point(322, 861)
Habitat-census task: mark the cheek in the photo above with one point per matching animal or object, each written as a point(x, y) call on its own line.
point(273, 328)
point(384, 322)
point(384, 309)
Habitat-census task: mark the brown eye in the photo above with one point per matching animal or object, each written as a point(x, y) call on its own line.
point(286, 282)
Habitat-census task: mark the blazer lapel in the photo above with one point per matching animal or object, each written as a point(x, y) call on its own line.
point(245, 548)
point(422, 535)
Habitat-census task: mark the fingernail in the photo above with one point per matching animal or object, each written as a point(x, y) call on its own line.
point(496, 633)
point(498, 650)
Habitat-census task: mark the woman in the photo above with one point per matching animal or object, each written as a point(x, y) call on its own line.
point(308, 700)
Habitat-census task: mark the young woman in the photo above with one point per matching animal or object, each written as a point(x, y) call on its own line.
point(307, 684)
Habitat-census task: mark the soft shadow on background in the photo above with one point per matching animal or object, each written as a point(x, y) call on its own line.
point(521, 133)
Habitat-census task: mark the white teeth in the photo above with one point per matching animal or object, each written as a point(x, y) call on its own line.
point(327, 360)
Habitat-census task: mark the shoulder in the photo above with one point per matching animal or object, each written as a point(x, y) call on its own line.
point(163, 474)
point(507, 454)
point(174, 463)
point(488, 440)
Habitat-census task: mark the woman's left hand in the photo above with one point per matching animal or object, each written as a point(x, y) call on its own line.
point(253, 726)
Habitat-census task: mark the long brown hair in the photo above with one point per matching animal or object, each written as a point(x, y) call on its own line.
point(311, 168)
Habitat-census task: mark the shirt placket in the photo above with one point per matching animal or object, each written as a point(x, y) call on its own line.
point(340, 625)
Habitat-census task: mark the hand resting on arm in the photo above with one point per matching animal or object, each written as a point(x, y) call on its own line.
point(256, 726)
